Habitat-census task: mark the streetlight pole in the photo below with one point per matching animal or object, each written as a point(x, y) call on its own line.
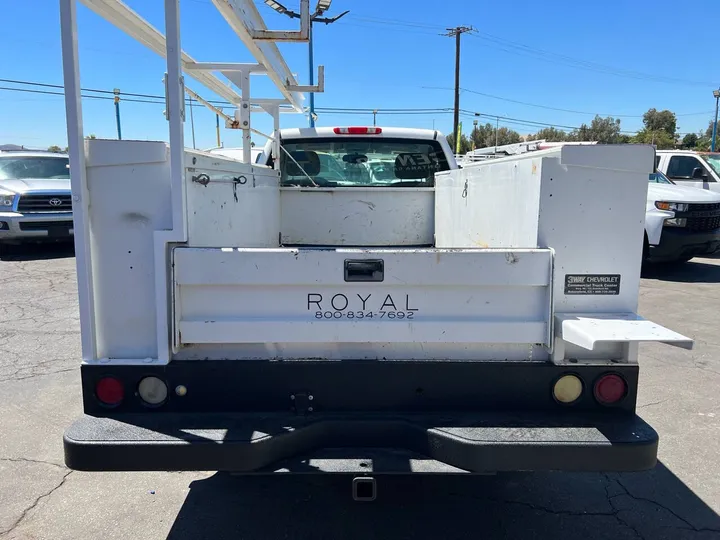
point(716, 93)
point(321, 7)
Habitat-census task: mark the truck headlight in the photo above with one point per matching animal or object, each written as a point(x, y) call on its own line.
point(672, 206)
point(676, 222)
point(6, 202)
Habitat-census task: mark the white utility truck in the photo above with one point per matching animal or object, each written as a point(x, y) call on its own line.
point(358, 304)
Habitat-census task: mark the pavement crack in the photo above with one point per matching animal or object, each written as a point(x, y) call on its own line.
point(690, 526)
point(25, 512)
point(28, 460)
point(653, 403)
point(32, 376)
point(616, 510)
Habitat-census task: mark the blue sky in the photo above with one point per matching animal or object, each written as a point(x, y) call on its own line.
point(618, 57)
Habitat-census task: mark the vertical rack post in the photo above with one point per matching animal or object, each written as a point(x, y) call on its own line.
point(245, 115)
point(176, 108)
point(78, 178)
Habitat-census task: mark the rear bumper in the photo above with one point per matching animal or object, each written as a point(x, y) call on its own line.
point(676, 243)
point(378, 443)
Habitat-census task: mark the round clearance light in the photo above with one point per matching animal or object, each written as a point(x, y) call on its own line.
point(567, 389)
point(109, 391)
point(153, 391)
point(609, 389)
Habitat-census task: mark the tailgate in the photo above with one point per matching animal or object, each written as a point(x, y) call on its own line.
point(231, 295)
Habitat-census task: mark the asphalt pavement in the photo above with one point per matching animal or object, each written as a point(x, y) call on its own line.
point(41, 499)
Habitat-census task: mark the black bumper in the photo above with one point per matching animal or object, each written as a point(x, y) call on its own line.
point(260, 416)
point(678, 244)
point(264, 443)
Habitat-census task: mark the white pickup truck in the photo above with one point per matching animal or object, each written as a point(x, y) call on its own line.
point(689, 168)
point(681, 222)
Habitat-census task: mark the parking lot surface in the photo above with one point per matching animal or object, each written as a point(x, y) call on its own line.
point(40, 498)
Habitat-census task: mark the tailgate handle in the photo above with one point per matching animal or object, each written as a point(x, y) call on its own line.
point(364, 270)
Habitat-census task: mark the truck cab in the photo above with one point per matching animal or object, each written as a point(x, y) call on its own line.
point(690, 168)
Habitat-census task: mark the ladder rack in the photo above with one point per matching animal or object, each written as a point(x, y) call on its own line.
point(247, 23)
point(245, 20)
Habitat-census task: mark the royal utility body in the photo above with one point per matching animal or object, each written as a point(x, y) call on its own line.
point(354, 301)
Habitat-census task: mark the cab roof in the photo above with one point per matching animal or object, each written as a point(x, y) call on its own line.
point(390, 132)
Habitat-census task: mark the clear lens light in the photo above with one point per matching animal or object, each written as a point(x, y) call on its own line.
point(152, 390)
point(6, 201)
point(567, 389)
point(672, 206)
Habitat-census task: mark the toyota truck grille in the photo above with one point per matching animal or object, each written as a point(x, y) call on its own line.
point(703, 217)
point(45, 203)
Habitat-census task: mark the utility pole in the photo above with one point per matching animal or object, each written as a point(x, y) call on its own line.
point(457, 32)
point(375, 117)
point(716, 93)
point(321, 7)
point(116, 99)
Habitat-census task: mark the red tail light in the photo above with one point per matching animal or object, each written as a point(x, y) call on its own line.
point(610, 388)
point(109, 391)
point(357, 130)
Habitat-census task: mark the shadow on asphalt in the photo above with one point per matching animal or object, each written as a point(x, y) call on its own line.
point(37, 252)
point(694, 271)
point(651, 505)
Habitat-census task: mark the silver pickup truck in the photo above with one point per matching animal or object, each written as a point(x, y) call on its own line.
point(35, 198)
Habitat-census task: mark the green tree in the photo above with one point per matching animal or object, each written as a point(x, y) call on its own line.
point(55, 148)
point(465, 145)
point(602, 130)
point(550, 134)
point(660, 129)
point(665, 120)
point(690, 141)
point(485, 136)
point(661, 139)
point(708, 132)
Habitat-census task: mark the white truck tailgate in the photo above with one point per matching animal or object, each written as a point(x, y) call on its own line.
point(237, 295)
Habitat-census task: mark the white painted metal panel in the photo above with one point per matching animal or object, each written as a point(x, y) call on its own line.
point(493, 204)
point(411, 267)
point(592, 212)
point(301, 296)
point(128, 203)
point(357, 216)
point(230, 203)
point(374, 350)
point(587, 330)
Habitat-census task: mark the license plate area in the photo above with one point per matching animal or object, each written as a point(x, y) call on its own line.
point(231, 295)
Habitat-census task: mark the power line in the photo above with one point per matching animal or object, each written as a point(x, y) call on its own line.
point(555, 108)
point(160, 100)
point(514, 47)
